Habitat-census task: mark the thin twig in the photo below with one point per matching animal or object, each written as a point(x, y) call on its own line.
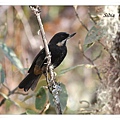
point(97, 56)
point(10, 93)
point(45, 107)
point(26, 25)
point(6, 87)
point(92, 62)
point(20, 93)
point(80, 20)
point(54, 88)
point(104, 47)
point(97, 71)
point(91, 18)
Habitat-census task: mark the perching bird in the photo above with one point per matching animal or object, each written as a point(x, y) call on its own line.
point(58, 49)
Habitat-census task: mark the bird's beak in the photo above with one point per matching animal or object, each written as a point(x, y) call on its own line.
point(64, 41)
point(71, 35)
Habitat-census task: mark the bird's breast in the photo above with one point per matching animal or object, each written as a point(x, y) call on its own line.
point(57, 54)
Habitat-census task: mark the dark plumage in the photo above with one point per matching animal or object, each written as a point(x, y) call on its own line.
point(58, 49)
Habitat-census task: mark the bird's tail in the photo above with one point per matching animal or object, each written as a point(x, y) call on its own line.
point(30, 81)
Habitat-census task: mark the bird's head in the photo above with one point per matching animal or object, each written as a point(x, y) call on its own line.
point(61, 38)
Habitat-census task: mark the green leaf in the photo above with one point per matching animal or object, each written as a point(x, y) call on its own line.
point(41, 99)
point(12, 57)
point(29, 111)
point(41, 83)
point(63, 97)
point(74, 67)
point(27, 97)
point(88, 46)
point(8, 104)
point(94, 34)
point(2, 74)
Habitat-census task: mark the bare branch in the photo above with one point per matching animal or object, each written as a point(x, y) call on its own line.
point(92, 62)
point(45, 108)
point(6, 87)
point(10, 93)
point(104, 47)
point(97, 56)
point(97, 71)
point(20, 93)
point(26, 26)
point(54, 88)
point(80, 20)
point(91, 17)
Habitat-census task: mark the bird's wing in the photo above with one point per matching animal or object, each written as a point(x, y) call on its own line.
point(39, 60)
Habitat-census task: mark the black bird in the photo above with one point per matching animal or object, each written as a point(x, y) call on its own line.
point(58, 49)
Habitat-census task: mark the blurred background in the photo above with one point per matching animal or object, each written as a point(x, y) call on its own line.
point(19, 31)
